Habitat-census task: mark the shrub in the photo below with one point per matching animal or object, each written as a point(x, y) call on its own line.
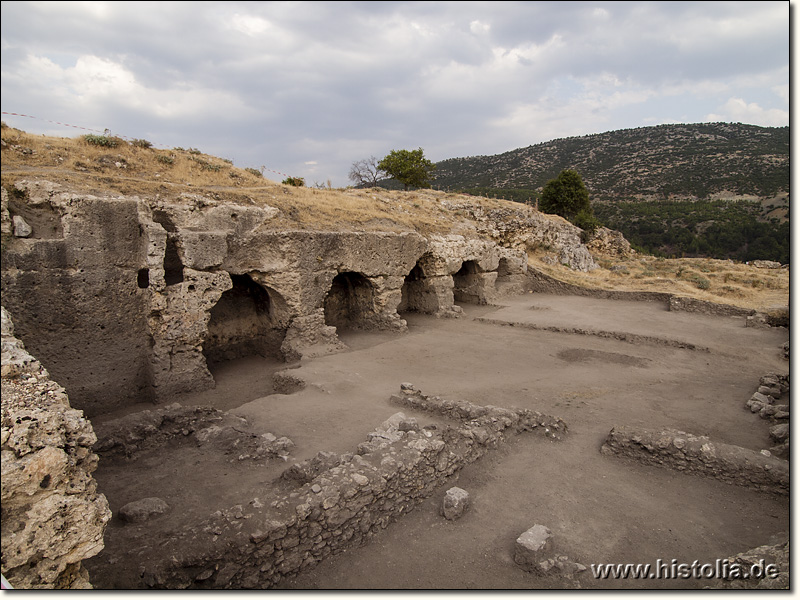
point(167, 159)
point(205, 165)
point(566, 196)
point(141, 144)
point(255, 172)
point(295, 181)
point(101, 140)
point(586, 221)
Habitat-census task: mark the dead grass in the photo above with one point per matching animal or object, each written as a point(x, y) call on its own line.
point(721, 281)
point(128, 169)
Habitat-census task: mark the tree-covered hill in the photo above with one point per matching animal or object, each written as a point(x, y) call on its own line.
point(695, 161)
point(719, 190)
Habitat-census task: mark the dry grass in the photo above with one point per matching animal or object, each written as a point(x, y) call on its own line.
point(128, 169)
point(721, 281)
point(131, 170)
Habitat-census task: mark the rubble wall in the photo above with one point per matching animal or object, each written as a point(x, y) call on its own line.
point(698, 454)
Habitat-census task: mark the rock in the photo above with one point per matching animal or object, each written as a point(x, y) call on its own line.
point(533, 547)
point(409, 424)
point(21, 227)
point(779, 433)
point(770, 390)
point(765, 264)
point(142, 510)
point(455, 502)
point(607, 242)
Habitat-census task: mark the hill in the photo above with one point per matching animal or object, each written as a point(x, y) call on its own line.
point(699, 161)
point(719, 190)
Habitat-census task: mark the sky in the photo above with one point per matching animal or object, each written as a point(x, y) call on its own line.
point(308, 88)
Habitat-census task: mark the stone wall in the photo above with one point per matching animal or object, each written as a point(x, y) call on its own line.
point(52, 516)
point(698, 454)
point(340, 501)
point(72, 289)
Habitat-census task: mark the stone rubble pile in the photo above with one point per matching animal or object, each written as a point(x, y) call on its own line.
point(534, 551)
point(202, 425)
point(770, 402)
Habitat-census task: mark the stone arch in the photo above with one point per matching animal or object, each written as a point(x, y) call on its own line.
point(245, 322)
point(349, 303)
point(420, 292)
point(468, 283)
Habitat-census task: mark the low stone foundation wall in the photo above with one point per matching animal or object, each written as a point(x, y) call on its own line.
point(683, 304)
point(623, 336)
point(343, 502)
point(697, 454)
point(542, 283)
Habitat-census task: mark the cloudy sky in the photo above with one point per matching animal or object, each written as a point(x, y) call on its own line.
point(307, 88)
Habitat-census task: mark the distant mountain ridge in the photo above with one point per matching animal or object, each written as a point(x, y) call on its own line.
point(663, 162)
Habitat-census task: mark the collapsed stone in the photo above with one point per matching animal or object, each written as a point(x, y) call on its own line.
point(53, 517)
point(142, 510)
point(454, 503)
point(533, 547)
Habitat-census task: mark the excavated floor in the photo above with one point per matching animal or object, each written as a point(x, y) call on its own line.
point(596, 363)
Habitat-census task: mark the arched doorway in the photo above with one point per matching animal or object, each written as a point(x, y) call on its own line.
point(468, 283)
point(243, 323)
point(349, 302)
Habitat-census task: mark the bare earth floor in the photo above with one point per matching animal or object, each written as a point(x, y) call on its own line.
point(679, 370)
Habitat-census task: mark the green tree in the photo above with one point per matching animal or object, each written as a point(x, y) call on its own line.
point(409, 167)
point(566, 196)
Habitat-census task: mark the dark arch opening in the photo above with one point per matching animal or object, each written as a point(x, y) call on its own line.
point(173, 266)
point(467, 283)
point(349, 302)
point(417, 295)
point(243, 323)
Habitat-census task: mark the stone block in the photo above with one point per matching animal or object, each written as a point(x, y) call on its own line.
point(455, 502)
point(533, 547)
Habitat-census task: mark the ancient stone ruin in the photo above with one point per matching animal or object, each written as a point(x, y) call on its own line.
point(130, 300)
point(155, 292)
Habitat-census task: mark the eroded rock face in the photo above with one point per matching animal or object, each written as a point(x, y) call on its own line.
point(607, 242)
point(52, 516)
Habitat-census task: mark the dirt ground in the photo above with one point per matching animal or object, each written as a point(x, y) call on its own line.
point(600, 509)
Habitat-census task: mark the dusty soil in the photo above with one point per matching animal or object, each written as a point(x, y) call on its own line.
point(601, 509)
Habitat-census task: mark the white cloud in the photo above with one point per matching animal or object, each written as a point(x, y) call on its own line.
point(249, 25)
point(736, 109)
point(478, 28)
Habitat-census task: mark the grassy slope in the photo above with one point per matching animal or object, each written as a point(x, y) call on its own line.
point(135, 171)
